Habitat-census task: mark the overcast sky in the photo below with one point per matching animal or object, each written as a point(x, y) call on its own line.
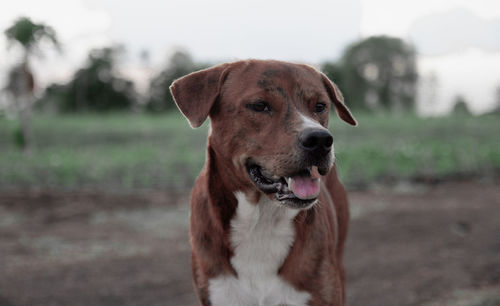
point(445, 32)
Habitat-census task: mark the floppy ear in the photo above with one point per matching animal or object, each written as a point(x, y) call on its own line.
point(195, 93)
point(338, 101)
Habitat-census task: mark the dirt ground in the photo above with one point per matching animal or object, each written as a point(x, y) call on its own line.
point(410, 245)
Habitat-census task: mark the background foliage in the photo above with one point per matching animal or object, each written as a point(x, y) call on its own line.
point(122, 151)
point(377, 73)
point(100, 132)
point(95, 87)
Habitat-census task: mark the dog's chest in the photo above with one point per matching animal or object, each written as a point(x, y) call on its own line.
point(261, 236)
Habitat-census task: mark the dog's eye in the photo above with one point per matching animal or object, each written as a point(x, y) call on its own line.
point(259, 106)
point(319, 107)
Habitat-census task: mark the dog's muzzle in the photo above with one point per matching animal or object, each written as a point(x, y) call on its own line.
point(301, 187)
point(299, 190)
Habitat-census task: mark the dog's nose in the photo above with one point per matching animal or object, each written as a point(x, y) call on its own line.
point(316, 140)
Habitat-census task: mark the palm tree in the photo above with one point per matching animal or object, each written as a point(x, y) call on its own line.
point(29, 36)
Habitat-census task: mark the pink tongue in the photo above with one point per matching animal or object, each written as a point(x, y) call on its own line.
point(304, 188)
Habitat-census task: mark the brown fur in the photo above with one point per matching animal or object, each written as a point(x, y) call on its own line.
point(314, 263)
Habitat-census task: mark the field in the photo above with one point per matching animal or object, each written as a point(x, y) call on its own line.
point(125, 151)
point(98, 214)
point(434, 246)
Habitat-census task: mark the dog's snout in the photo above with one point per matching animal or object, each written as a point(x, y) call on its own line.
point(316, 140)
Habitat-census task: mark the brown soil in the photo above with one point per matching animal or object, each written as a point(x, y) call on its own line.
point(421, 245)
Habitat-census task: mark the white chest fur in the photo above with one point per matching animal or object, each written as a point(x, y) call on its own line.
point(261, 236)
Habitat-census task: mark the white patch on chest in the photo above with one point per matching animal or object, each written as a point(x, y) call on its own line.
point(261, 236)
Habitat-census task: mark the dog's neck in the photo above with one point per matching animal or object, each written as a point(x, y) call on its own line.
point(262, 235)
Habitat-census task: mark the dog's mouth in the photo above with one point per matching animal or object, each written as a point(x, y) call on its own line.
point(298, 190)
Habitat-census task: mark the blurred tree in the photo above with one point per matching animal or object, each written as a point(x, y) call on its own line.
point(53, 98)
point(461, 107)
point(496, 108)
point(21, 82)
point(95, 87)
point(377, 73)
point(334, 72)
point(428, 92)
point(497, 99)
point(145, 57)
point(179, 64)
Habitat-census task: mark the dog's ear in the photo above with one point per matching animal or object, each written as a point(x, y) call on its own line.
point(338, 101)
point(195, 93)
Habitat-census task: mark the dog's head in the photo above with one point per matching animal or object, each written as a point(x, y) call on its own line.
point(270, 119)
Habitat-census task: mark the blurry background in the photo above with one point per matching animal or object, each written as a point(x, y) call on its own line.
point(96, 163)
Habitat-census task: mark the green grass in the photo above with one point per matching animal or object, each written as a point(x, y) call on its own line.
point(387, 148)
point(135, 151)
point(119, 151)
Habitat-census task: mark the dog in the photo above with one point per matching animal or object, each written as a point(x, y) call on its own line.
point(269, 215)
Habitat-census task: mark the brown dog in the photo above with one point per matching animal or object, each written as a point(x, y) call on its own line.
point(268, 213)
